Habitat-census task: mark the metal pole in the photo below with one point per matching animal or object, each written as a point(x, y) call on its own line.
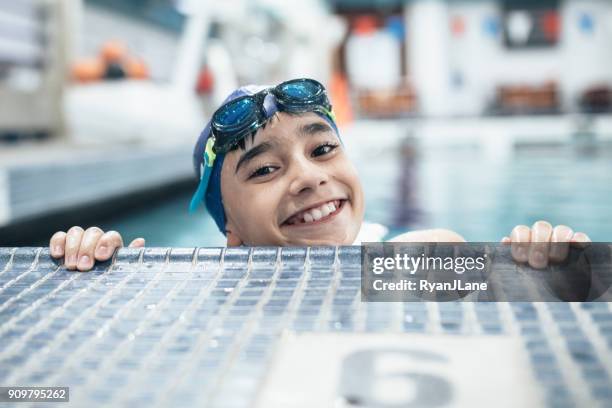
point(191, 47)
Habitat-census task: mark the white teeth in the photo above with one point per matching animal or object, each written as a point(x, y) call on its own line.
point(324, 210)
point(316, 214)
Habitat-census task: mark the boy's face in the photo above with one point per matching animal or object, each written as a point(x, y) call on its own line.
point(292, 185)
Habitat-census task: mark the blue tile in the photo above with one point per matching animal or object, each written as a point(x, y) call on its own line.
point(209, 255)
point(24, 257)
point(287, 283)
point(182, 255)
point(293, 255)
point(600, 317)
point(492, 328)
point(155, 255)
point(584, 356)
point(537, 345)
point(234, 273)
point(322, 256)
point(602, 392)
point(236, 256)
point(264, 256)
point(549, 375)
point(542, 358)
point(127, 256)
point(5, 256)
point(595, 373)
point(349, 255)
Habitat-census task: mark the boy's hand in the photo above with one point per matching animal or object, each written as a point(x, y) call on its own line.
point(533, 245)
point(81, 248)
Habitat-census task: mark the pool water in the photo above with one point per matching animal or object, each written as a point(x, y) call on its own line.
point(168, 224)
point(484, 199)
point(456, 187)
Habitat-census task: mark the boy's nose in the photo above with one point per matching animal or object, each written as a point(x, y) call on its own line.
point(307, 176)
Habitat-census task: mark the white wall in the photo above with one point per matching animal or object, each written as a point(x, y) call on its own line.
point(429, 55)
point(579, 60)
point(586, 59)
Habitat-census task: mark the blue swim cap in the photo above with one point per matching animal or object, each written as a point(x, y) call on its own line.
point(212, 194)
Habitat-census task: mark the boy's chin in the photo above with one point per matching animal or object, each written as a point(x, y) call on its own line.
point(318, 242)
point(320, 235)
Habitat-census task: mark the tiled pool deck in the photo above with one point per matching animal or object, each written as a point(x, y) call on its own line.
point(185, 326)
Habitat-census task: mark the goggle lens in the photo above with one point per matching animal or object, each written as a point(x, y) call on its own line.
point(234, 120)
point(300, 90)
point(234, 113)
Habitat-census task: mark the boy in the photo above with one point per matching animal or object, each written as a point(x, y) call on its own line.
point(273, 171)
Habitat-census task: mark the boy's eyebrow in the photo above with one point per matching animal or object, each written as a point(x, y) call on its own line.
point(251, 154)
point(304, 130)
point(315, 127)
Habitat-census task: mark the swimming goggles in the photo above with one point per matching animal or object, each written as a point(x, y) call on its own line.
point(242, 116)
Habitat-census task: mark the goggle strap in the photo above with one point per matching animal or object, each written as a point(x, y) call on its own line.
point(198, 196)
point(330, 113)
point(209, 159)
point(209, 152)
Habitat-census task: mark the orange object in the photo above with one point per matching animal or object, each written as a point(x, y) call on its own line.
point(205, 81)
point(341, 101)
point(113, 51)
point(365, 25)
point(88, 70)
point(551, 23)
point(457, 26)
point(136, 69)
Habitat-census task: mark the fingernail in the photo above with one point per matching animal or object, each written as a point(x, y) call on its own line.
point(84, 261)
point(102, 250)
point(57, 250)
point(539, 257)
point(521, 252)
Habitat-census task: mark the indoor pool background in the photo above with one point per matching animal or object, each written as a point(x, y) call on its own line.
point(457, 187)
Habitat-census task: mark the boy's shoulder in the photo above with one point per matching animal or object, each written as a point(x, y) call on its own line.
point(371, 232)
point(430, 235)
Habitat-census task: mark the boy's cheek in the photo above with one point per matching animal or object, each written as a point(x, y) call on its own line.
point(259, 228)
point(359, 201)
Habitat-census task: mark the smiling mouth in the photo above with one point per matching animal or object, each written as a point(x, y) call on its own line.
point(316, 215)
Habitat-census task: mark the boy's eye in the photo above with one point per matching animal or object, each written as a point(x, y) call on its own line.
point(324, 149)
point(262, 171)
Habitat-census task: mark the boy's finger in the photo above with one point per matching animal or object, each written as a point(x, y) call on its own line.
point(137, 243)
point(88, 245)
point(520, 237)
point(541, 233)
point(506, 240)
point(73, 243)
point(580, 239)
point(107, 244)
point(559, 247)
point(57, 244)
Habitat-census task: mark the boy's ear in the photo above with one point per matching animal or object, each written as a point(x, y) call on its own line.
point(232, 239)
